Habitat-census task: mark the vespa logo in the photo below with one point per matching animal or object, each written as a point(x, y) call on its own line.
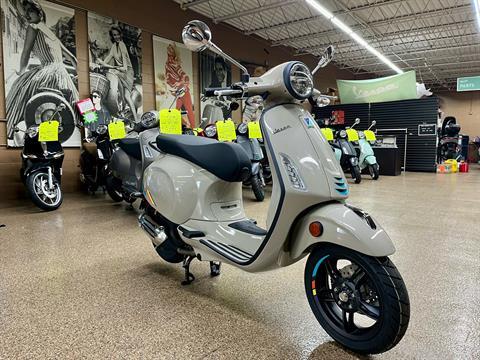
point(362, 94)
point(276, 131)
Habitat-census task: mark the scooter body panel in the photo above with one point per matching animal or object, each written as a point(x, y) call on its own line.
point(343, 227)
point(367, 156)
point(182, 191)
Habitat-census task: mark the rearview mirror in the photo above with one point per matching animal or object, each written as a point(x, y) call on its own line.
point(374, 122)
point(357, 121)
point(326, 58)
point(196, 36)
point(180, 92)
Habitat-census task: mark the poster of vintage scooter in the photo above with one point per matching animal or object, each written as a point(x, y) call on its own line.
point(40, 67)
point(173, 68)
point(115, 51)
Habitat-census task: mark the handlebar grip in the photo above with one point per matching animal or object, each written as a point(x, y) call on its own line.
point(209, 92)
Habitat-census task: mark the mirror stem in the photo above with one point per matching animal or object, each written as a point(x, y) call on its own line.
point(245, 76)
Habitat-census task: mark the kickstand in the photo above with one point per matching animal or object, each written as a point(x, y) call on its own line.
point(188, 275)
point(215, 268)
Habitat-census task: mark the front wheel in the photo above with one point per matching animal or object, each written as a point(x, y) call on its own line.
point(111, 189)
point(374, 171)
point(356, 174)
point(257, 187)
point(45, 197)
point(360, 301)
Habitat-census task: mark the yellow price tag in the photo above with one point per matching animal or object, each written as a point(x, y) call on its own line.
point(254, 131)
point(48, 131)
point(352, 135)
point(197, 131)
point(116, 130)
point(370, 135)
point(226, 130)
point(328, 133)
point(171, 121)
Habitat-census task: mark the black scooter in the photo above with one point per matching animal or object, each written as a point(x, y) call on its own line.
point(94, 159)
point(348, 158)
point(41, 170)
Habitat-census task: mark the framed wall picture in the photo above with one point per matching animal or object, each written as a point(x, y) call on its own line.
point(40, 68)
point(173, 67)
point(115, 52)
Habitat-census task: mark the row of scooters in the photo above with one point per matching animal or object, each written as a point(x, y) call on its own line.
point(353, 149)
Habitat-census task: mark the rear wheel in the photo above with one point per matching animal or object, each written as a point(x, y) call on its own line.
point(45, 197)
point(374, 171)
point(356, 174)
point(360, 301)
point(257, 187)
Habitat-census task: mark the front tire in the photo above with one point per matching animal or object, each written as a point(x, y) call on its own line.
point(374, 171)
point(361, 301)
point(111, 190)
point(42, 196)
point(257, 188)
point(356, 174)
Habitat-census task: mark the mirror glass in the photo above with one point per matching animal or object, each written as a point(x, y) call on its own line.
point(180, 92)
point(196, 36)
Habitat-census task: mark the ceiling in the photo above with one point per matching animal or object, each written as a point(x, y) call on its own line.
point(437, 38)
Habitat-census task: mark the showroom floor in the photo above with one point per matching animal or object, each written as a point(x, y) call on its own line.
point(84, 281)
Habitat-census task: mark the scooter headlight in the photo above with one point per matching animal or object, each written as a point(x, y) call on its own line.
point(32, 131)
point(149, 119)
point(102, 129)
point(211, 131)
point(361, 134)
point(242, 128)
point(298, 80)
point(343, 134)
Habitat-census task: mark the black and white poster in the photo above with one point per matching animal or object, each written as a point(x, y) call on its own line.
point(214, 72)
point(40, 67)
point(116, 66)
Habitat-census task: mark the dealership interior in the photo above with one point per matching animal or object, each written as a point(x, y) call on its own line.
point(258, 179)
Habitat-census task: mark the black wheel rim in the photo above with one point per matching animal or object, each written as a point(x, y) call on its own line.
point(347, 297)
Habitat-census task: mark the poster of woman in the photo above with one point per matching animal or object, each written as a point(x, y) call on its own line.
point(173, 70)
point(116, 65)
point(39, 67)
point(215, 72)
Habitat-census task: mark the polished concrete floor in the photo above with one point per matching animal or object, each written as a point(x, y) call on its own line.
point(84, 282)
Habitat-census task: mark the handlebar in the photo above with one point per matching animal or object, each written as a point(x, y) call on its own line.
point(209, 92)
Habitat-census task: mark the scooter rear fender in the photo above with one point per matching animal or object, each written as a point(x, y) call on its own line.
point(342, 225)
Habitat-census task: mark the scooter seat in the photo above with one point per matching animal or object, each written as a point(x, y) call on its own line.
point(227, 161)
point(132, 147)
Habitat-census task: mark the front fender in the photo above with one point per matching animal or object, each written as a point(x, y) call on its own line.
point(342, 225)
point(255, 168)
point(371, 160)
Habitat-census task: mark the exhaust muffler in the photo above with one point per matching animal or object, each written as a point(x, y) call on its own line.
point(155, 231)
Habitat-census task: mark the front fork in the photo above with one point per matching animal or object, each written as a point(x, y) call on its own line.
point(50, 178)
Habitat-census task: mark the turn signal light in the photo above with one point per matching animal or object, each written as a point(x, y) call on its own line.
point(316, 229)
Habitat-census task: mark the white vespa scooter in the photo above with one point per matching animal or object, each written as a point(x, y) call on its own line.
point(194, 208)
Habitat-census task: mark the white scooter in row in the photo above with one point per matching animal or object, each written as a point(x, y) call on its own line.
point(194, 208)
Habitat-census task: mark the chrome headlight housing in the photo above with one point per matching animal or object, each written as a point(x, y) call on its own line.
point(361, 134)
point(211, 131)
point(298, 80)
point(242, 128)
point(343, 134)
point(149, 119)
point(102, 129)
point(32, 131)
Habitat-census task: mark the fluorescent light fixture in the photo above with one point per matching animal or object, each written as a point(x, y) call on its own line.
point(476, 5)
point(358, 39)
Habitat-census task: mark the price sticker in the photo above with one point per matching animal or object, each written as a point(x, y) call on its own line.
point(370, 135)
point(90, 117)
point(226, 130)
point(48, 131)
point(327, 133)
point(116, 130)
point(254, 131)
point(352, 135)
point(171, 121)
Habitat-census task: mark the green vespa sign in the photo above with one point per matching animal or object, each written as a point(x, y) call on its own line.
point(390, 88)
point(470, 83)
